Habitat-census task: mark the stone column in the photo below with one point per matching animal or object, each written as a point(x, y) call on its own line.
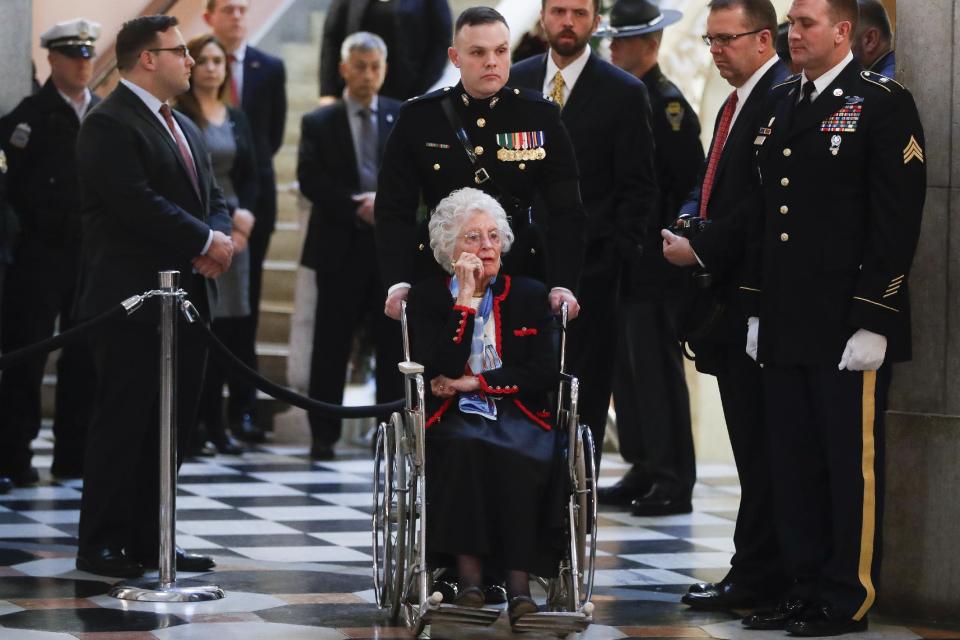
point(921, 571)
point(15, 69)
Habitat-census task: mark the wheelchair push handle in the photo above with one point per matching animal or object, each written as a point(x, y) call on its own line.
point(406, 333)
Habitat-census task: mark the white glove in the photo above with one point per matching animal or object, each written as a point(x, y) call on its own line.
point(865, 351)
point(753, 330)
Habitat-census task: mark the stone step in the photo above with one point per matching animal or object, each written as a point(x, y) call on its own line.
point(286, 242)
point(285, 164)
point(279, 280)
point(274, 324)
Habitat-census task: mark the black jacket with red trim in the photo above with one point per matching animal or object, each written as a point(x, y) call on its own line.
point(440, 337)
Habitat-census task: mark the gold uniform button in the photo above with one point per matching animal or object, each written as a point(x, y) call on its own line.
point(784, 209)
point(787, 152)
point(436, 167)
point(784, 182)
point(420, 248)
point(784, 237)
point(481, 122)
point(522, 166)
point(516, 91)
point(478, 150)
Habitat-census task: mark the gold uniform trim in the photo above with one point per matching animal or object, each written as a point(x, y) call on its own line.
point(868, 527)
point(877, 304)
point(751, 289)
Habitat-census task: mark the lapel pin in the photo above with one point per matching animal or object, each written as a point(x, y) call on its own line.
point(389, 117)
point(838, 92)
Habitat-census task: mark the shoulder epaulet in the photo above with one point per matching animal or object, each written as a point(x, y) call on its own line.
point(881, 80)
point(789, 80)
point(430, 96)
point(529, 94)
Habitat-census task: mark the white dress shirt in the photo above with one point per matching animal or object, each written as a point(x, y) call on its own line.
point(824, 81)
point(744, 90)
point(153, 104)
point(79, 108)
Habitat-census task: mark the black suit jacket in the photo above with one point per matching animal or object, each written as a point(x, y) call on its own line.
point(264, 101)
point(608, 118)
point(327, 172)
point(417, 45)
point(141, 212)
point(721, 246)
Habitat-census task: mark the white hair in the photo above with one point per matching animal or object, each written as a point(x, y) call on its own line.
point(362, 41)
point(446, 222)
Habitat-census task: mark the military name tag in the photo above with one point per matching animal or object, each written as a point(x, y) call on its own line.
point(523, 146)
point(843, 121)
point(436, 145)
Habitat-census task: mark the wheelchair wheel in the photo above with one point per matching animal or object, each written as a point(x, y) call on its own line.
point(389, 520)
point(411, 597)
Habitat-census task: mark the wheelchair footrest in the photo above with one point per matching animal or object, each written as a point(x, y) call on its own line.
point(452, 614)
point(554, 622)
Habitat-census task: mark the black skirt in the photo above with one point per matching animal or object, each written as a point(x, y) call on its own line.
point(496, 489)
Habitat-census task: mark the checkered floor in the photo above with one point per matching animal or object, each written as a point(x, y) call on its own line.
point(292, 542)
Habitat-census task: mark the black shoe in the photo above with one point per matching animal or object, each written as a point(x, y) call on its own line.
point(622, 494)
point(189, 562)
point(722, 595)
point(447, 588)
point(660, 502)
point(494, 594)
point(204, 450)
point(6, 484)
point(109, 562)
point(322, 452)
point(26, 477)
point(776, 619)
point(823, 621)
point(228, 445)
point(245, 429)
point(471, 597)
point(520, 606)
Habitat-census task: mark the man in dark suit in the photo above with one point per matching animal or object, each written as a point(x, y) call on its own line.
point(715, 325)
point(607, 113)
point(416, 32)
point(150, 203)
point(40, 138)
point(259, 88)
point(873, 41)
point(340, 149)
point(842, 173)
point(650, 387)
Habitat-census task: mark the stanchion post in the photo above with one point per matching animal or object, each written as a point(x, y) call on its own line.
point(167, 588)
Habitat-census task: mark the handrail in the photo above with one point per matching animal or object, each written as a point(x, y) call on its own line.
point(106, 63)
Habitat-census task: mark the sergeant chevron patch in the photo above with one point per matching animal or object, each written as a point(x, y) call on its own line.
point(912, 151)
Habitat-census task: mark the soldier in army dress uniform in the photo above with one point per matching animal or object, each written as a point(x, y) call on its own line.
point(39, 137)
point(481, 133)
point(842, 166)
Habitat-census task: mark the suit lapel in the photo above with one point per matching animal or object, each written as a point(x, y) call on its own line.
point(344, 137)
point(744, 127)
point(583, 90)
point(251, 76)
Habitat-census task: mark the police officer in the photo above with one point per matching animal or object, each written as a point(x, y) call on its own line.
point(842, 166)
point(483, 134)
point(39, 138)
point(649, 387)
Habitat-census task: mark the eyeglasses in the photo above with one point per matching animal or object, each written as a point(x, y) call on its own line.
point(181, 51)
point(475, 238)
point(724, 39)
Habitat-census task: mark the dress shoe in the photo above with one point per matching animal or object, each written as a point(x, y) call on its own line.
point(660, 502)
point(622, 494)
point(722, 595)
point(776, 619)
point(227, 445)
point(109, 562)
point(471, 597)
point(494, 594)
point(447, 588)
point(322, 452)
point(245, 429)
point(6, 484)
point(189, 562)
point(822, 621)
point(520, 606)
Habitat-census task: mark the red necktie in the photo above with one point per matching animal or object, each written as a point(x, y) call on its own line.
point(182, 145)
point(719, 140)
point(234, 94)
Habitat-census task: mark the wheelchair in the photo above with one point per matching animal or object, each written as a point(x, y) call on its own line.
point(400, 573)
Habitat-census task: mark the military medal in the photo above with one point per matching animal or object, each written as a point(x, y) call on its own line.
point(522, 146)
point(835, 144)
point(845, 120)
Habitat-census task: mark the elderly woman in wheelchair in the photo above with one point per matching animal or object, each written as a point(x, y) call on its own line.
point(486, 340)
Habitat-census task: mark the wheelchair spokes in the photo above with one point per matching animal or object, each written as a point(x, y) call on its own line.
point(389, 515)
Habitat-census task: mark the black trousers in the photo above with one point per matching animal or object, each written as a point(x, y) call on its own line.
point(232, 332)
point(651, 398)
point(826, 433)
point(348, 298)
point(757, 559)
point(121, 488)
point(592, 337)
point(40, 288)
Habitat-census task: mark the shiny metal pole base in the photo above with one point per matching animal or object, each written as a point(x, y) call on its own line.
point(152, 590)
